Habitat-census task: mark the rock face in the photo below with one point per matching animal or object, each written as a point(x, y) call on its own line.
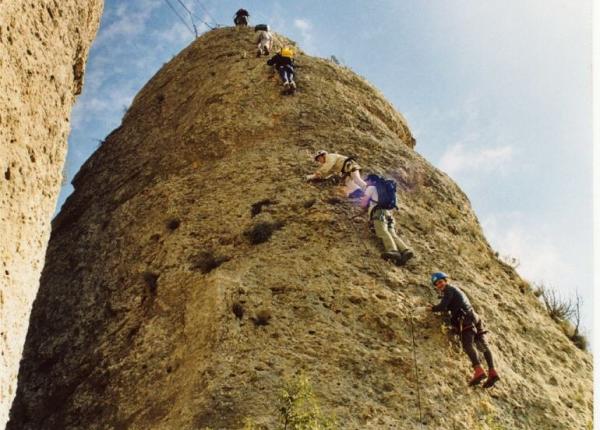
point(194, 270)
point(43, 49)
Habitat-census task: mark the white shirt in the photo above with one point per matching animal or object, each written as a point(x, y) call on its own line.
point(264, 36)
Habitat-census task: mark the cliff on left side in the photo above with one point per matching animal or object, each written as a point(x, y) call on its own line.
point(43, 50)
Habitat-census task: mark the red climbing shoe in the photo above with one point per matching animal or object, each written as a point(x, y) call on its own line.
point(491, 380)
point(478, 376)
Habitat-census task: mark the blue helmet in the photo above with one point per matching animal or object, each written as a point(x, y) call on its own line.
point(437, 276)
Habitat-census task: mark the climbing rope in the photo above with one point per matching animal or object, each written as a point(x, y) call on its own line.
point(209, 16)
point(412, 333)
point(180, 17)
point(191, 16)
point(414, 348)
point(193, 30)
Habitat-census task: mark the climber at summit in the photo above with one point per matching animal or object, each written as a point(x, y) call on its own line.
point(339, 165)
point(265, 42)
point(380, 199)
point(469, 327)
point(241, 17)
point(283, 61)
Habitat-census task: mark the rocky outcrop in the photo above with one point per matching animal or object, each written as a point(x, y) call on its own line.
point(43, 48)
point(193, 270)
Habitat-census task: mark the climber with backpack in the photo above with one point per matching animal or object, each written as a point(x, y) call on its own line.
point(283, 62)
point(380, 199)
point(344, 167)
point(264, 40)
point(241, 17)
point(468, 325)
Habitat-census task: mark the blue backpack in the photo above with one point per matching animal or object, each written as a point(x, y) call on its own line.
point(386, 192)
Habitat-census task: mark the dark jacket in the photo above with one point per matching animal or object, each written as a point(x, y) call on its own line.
point(455, 301)
point(241, 17)
point(280, 61)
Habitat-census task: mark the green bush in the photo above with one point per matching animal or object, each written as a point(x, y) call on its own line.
point(249, 424)
point(299, 407)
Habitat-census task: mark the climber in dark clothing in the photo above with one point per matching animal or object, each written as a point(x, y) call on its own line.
point(468, 325)
point(283, 61)
point(241, 17)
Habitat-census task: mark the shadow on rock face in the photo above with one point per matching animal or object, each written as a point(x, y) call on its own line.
point(206, 262)
point(262, 231)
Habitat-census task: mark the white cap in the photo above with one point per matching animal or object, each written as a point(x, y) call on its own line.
point(319, 153)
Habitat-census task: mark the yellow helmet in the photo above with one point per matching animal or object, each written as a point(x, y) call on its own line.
point(286, 51)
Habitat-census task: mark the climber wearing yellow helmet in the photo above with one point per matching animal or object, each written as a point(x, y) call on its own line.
point(283, 61)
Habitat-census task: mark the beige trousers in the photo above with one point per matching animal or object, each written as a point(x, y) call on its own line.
point(385, 229)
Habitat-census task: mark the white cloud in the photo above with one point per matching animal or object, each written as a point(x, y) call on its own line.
point(530, 49)
point(109, 107)
point(306, 31)
point(465, 157)
point(129, 21)
point(542, 259)
point(302, 24)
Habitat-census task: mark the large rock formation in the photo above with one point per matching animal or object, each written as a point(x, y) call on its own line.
point(193, 270)
point(43, 49)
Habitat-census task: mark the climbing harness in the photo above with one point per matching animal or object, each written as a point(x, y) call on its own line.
point(350, 165)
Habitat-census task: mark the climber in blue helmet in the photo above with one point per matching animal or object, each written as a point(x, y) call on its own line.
point(468, 325)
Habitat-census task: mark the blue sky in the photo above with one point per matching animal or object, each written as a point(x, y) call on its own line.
point(497, 93)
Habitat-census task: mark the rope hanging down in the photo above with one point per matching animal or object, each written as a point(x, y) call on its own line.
point(208, 14)
point(180, 17)
point(191, 16)
point(414, 348)
point(347, 221)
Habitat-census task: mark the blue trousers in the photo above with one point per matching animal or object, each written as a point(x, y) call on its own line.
point(286, 73)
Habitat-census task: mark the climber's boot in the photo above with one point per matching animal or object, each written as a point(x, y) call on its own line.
point(478, 376)
point(492, 379)
point(406, 255)
point(393, 256)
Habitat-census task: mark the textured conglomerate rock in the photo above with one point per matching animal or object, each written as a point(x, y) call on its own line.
point(43, 49)
point(194, 270)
